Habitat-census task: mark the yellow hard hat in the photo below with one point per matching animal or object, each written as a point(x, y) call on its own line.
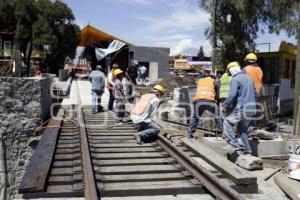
point(251, 56)
point(232, 64)
point(159, 88)
point(117, 72)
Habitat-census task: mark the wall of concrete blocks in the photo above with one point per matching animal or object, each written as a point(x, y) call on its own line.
point(24, 105)
point(153, 54)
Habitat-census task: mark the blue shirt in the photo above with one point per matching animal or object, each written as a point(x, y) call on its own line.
point(242, 94)
point(98, 79)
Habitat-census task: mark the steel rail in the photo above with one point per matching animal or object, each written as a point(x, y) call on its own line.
point(90, 190)
point(207, 179)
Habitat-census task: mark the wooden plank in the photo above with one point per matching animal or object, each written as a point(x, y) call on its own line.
point(165, 197)
point(65, 180)
point(140, 161)
point(141, 169)
point(36, 173)
point(68, 151)
point(124, 150)
point(229, 169)
point(67, 156)
point(65, 171)
point(149, 188)
point(70, 163)
point(122, 145)
point(140, 177)
point(111, 134)
point(104, 156)
point(111, 137)
point(111, 141)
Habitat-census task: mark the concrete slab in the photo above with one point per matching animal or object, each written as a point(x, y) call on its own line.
point(229, 169)
point(260, 148)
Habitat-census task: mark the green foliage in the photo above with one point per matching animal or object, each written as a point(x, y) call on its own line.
point(38, 23)
point(237, 23)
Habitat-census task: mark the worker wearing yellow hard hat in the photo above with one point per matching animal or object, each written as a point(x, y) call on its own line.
point(255, 72)
point(238, 108)
point(159, 88)
point(142, 114)
point(110, 86)
point(119, 95)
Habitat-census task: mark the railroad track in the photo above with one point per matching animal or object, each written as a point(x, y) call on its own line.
point(100, 159)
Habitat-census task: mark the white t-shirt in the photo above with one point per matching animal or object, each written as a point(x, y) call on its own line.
point(143, 69)
point(147, 114)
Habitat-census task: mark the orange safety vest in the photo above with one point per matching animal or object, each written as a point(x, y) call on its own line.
point(141, 105)
point(256, 75)
point(205, 89)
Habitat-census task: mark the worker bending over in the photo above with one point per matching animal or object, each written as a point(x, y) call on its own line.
point(143, 112)
point(206, 98)
point(255, 72)
point(239, 107)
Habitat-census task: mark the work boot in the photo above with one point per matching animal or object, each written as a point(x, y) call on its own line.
point(190, 136)
point(230, 148)
point(138, 139)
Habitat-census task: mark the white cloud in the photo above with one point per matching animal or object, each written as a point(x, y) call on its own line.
point(181, 20)
point(181, 27)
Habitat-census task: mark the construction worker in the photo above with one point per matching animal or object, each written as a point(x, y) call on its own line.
point(97, 78)
point(239, 107)
point(142, 113)
point(255, 72)
point(225, 81)
point(110, 86)
point(119, 95)
point(206, 98)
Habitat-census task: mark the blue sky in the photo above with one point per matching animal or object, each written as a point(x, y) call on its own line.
point(178, 24)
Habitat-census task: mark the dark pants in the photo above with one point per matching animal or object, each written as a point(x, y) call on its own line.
point(201, 106)
point(111, 100)
point(148, 131)
point(120, 109)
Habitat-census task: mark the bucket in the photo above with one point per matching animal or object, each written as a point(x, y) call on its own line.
point(294, 167)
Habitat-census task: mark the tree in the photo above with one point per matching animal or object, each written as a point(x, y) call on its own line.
point(200, 53)
point(38, 23)
point(237, 23)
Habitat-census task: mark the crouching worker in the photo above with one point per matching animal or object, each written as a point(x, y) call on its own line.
point(142, 113)
point(239, 107)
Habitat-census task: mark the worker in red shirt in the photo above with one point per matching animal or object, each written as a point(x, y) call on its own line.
point(255, 72)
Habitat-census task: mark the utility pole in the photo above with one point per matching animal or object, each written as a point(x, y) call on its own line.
point(297, 82)
point(214, 42)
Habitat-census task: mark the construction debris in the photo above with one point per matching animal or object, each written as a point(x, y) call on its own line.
point(246, 161)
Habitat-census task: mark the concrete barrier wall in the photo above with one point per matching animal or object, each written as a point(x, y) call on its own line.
point(24, 104)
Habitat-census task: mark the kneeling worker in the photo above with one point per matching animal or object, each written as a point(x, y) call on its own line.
point(142, 113)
